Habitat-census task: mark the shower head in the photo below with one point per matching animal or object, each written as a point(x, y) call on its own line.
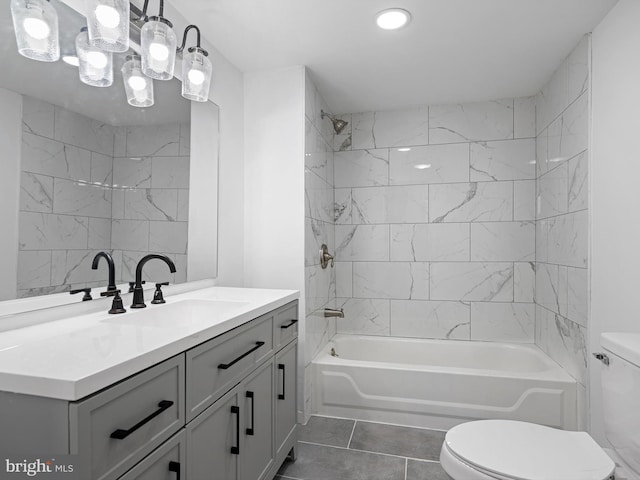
point(338, 125)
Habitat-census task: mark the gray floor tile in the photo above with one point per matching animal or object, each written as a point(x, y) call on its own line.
point(327, 431)
point(417, 470)
point(318, 462)
point(403, 441)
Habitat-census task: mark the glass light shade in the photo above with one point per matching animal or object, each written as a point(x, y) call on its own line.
point(96, 65)
point(108, 22)
point(35, 23)
point(139, 87)
point(196, 75)
point(158, 42)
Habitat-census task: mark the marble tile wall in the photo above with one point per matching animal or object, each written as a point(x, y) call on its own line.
point(320, 284)
point(435, 221)
point(151, 199)
point(77, 199)
point(562, 269)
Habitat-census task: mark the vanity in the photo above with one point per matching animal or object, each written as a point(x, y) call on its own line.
point(201, 387)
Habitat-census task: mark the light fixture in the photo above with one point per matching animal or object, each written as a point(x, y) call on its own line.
point(392, 18)
point(35, 23)
point(196, 69)
point(422, 166)
point(404, 149)
point(70, 59)
point(108, 22)
point(338, 124)
point(158, 42)
point(138, 86)
point(96, 65)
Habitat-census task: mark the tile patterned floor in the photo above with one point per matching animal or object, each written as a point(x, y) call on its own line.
point(343, 449)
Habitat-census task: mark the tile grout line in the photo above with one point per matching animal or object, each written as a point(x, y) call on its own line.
point(352, 432)
point(368, 451)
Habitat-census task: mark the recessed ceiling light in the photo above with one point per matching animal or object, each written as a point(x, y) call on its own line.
point(404, 149)
point(393, 18)
point(422, 166)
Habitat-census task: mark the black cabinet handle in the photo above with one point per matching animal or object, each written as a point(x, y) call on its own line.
point(175, 467)
point(121, 434)
point(249, 431)
point(290, 324)
point(236, 449)
point(281, 367)
point(224, 366)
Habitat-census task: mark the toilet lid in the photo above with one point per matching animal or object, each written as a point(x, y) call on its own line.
point(527, 451)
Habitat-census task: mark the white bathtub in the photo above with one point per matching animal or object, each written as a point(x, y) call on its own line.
point(440, 383)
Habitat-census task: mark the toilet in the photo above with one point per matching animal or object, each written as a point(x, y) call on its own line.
point(514, 450)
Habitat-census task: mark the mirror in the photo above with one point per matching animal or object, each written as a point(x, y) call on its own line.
point(89, 173)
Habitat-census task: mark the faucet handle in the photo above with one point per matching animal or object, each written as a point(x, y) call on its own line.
point(157, 295)
point(132, 284)
point(325, 256)
point(116, 305)
point(87, 293)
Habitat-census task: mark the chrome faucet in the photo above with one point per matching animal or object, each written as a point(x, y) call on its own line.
point(138, 293)
point(331, 312)
point(112, 268)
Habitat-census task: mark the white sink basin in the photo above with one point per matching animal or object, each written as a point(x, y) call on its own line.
point(182, 313)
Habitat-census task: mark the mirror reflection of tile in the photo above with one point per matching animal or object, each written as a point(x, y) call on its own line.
point(87, 186)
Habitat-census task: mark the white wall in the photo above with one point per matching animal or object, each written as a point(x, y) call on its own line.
point(615, 196)
point(274, 186)
point(10, 130)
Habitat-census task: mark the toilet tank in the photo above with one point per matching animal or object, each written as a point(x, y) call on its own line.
point(621, 395)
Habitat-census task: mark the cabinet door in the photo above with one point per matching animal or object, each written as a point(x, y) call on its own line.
point(256, 394)
point(165, 463)
point(285, 394)
point(212, 441)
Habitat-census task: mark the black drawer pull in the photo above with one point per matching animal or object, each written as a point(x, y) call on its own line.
point(290, 324)
point(175, 467)
point(235, 410)
point(224, 366)
point(250, 431)
point(122, 434)
point(281, 367)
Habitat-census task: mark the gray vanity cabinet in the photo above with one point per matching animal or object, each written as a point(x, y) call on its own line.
point(222, 410)
point(166, 463)
point(210, 438)
point(233, 438)
point(257, 398)
point(285, 412)
point(113, 430)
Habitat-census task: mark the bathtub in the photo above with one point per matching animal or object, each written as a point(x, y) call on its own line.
point(440, 383)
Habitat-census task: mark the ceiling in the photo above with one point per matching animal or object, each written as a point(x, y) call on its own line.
point(452, 51)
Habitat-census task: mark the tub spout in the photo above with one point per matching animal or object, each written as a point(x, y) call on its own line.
point(331, 312)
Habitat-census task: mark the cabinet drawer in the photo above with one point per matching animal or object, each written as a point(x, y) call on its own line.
point(217, 365)
point(116, 428)
point(285, 325)
point(166, 463)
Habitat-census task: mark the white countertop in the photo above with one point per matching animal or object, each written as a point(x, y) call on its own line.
point(74, 357)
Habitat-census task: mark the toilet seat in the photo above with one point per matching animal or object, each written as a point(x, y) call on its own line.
point(508, 449)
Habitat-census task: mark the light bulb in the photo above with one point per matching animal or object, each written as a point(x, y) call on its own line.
point(97, 59)
point(36, 28)
point(136, 82)
point(159, 51)
point(196, 76)
point(107, 16)
point(71, 60)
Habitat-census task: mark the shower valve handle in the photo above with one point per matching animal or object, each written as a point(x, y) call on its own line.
point(325, 256)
